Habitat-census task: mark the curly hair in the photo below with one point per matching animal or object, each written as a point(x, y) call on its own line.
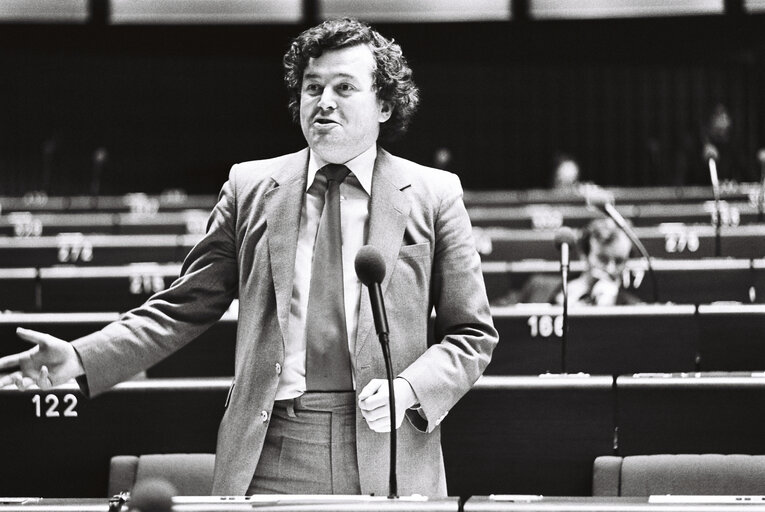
point(393, 81)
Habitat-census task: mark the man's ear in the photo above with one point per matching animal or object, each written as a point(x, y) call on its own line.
point(386, 110)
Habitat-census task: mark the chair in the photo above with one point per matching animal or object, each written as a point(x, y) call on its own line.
point(190, 473)
point(708, 474)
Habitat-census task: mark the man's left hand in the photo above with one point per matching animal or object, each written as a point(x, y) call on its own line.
point(373, 401)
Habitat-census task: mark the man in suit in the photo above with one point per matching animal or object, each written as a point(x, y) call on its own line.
point(292, 425)
point(605, 249)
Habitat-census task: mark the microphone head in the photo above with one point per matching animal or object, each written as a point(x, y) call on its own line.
point(152, 495)
point(710, 151)
point(565, 235)
point(370, 265)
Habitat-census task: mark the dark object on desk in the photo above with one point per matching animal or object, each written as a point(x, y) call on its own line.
point(189, 473)
point(685, 474)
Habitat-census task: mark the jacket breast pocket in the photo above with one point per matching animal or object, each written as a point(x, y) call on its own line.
point(415, 251)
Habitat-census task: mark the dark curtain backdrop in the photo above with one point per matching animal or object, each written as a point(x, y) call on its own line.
point(174, 107)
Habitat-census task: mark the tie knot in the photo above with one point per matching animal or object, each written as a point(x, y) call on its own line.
point(335, 172)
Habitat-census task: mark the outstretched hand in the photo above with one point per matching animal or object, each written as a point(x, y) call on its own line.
point(49, 363)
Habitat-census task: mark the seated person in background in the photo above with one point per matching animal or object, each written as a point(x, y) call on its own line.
point(605, 250)
point(565, 175)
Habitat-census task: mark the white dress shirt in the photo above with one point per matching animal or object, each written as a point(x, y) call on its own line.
point(355, 193)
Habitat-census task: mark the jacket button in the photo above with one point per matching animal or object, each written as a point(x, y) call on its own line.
point(264, 416)
point(278, 368)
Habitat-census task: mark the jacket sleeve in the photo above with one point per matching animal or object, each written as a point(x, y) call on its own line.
point(173, 317)
point(464, 331)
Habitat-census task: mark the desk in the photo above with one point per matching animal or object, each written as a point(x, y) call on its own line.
point(671, 241)
point(551, 217)
point(682, 281)
point(609, 340)
point(512, 434)
point(528, 435)
point(93, 250)
point(691, 413)
point(27, 224)
point(113, 288)
point(262, 503)
point(59, 443)
point(597, 504)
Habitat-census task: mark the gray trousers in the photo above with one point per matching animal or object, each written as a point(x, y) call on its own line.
point(310, 447)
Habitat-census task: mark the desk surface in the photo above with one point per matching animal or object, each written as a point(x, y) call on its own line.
point(264, 503)
point(601, 504)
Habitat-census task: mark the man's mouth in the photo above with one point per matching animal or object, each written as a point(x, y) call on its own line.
point(324, 121)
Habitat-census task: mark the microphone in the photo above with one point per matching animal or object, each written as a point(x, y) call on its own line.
point(370, 269)
point(152, 495)
point(608, 208)
point(564, 239)
point(711, 155)
point(100, 158)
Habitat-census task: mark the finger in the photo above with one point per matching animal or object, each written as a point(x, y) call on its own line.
point(7, 380)
point(376, 414)
point(370, 389)
point(36, 337)
point(43, 380)
point(10, 362)
point(380, 425)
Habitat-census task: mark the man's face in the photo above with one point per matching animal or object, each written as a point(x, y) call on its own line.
point(340, 113)
point(607, 261)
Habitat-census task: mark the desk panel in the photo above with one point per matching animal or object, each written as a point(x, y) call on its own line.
point(692, 413)
point(666, 241)
point(549, 216)
point(601, 340)
point(732, 337)
point(59, 443)
point(530, 435)
point(682, 281)
point(93, 250)
point(209, 355)
point(117, 288)
point(19, 289)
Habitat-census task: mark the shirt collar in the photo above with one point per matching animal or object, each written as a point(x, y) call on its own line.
point(361, 166)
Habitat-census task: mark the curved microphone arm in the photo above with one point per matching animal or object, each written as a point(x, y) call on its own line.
point(612, 212)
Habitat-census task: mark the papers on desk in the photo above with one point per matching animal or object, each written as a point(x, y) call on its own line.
point(679, 498)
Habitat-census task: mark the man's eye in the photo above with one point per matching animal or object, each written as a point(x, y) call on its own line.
point(346, 87)
point(312, 88)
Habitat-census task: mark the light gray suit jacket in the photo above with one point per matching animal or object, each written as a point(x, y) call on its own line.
point(419, 223)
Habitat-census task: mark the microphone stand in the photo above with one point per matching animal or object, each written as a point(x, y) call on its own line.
point(392, 483)
point(716, 192)
point(616, 216)
point(381, 326)
point(564, 282)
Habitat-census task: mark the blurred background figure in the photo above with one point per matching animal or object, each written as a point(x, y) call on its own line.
point(605, 250)
point(716, 135)
point(565, 174)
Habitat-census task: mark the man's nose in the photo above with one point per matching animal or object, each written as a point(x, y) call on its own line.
point(327, 99)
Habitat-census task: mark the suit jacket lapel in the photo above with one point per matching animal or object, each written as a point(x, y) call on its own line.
point(388, 215)
point(284, 203)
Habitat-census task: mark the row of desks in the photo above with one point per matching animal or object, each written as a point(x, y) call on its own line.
point(491, 503)
point(537, 217)
point(605, 340)
point(122, 287)
point(494, 244)
point(173, 200)
point(527, 435)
